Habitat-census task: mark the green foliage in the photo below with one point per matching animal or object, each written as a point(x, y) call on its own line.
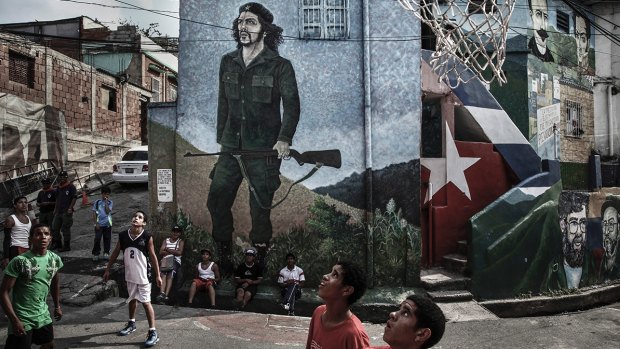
point(396, 248)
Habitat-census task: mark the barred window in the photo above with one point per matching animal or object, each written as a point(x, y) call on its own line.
point(172, 93)
point(108, 98)
point(562, 20)
point(21, 69)
point(156, 90)
point(574, 126)
point(324, 19)
point(480, 7)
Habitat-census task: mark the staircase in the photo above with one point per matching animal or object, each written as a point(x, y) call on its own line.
point(449, 283)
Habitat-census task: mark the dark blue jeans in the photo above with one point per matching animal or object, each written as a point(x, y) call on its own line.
point(289, 294)
point(106, 232)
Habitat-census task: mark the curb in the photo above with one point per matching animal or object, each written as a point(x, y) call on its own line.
point(545, 305)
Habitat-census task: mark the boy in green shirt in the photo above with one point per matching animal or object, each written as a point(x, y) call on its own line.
point(29, 277)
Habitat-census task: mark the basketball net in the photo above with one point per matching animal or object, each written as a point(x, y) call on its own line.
point(471, 35)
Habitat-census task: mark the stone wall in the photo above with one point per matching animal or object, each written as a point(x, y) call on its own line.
point(577, 149)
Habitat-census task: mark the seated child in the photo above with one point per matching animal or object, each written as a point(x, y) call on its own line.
point(207, 276)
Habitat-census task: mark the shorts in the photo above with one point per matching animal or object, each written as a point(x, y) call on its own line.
point(175, 269)
point(203, 285)
point(252, 289)
point(139, 292)
point(38, 336)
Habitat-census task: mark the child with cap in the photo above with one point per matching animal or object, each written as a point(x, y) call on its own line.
point(333, 325)
point(207, 276)
point(247, 277)
point(171, 251)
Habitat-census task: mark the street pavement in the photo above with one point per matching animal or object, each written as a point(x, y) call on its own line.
point(94, 312)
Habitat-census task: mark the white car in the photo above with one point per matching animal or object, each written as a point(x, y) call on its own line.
point(133, 167)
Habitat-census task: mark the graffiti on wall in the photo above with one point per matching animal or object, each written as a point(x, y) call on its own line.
point(299, 95)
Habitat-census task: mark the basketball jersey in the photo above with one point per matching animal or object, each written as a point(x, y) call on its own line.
point(136, 257)
point(20, 232)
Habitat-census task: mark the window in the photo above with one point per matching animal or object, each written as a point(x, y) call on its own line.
point(21, 69)
point(562, 21)
point(172, 93)
point(156, 90)
point(324, 19)
point(108, 98)
point(573, 119)
point(429, 39)
point(476, 6)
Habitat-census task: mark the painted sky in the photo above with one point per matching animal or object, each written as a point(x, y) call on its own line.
point(109, 12)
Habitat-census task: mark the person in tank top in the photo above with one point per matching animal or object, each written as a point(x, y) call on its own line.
point(16, 231)
point(207, 276)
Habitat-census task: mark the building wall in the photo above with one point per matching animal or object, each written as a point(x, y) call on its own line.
point(96, 136)
point(577, 149)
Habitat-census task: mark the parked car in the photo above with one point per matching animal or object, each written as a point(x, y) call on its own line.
point(133, 167)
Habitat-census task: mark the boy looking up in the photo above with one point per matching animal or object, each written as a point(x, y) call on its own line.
point(138, 249)
point(333, 325)
point(29, 278)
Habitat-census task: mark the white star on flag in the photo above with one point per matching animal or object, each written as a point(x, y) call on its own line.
point(449, 169)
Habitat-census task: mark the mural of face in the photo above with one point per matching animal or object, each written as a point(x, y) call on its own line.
point(574, 237)
point(250, 29)
point(583, 41)
point(540, 16)
point(610, 236)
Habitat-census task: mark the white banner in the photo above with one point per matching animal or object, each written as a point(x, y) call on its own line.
point(547, 117)
point(164, 185)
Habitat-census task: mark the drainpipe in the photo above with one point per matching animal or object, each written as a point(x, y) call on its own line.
point(610, 118)
point(368, 135)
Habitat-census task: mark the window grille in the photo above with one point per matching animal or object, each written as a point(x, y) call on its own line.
point(172, 93)
point(108, 98)
point(156, 90)
point(324, 19)
point(562, 21)
point(574, 127)
point(21, 69)
point(476, 6)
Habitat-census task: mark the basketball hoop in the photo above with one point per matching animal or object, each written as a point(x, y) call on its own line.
point(471, 35)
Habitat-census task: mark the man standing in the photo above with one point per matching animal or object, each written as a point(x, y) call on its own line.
point(16, 229)
point(63, 213)
point(102, 217)
point(538, 43)
point(254, 81)
point(582, 36)
point(46, 200)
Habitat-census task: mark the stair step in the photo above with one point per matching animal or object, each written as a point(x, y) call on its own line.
point(451, 296)
point(440, 279)
point(456, 263)
point(462, 247)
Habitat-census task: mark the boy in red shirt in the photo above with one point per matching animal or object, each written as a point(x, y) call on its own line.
point(333, 325)
point(419, 323)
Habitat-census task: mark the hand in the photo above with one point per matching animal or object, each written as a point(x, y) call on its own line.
point(70, 210)
point(158, 280)
point(106, 275)
point(283, 149)
point(5, 262)
point(97, 226)
point(57, 313)
point(18, 328)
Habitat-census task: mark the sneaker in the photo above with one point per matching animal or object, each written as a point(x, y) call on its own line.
point(291, 313)
point(106, 256)
point(95, 258)
point(151, 339)
point(129, 328)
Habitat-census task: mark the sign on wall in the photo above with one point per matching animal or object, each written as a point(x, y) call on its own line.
point(164, 185)
point(547, 118)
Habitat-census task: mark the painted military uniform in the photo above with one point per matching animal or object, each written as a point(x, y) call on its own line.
point(249, 119)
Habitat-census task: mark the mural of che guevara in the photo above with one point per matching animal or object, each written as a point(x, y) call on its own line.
point(538, 42)
point(576, 268)
point(610, 214)
point(253, 81)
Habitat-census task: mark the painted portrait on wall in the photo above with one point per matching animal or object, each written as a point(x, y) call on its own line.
point(538, 44)
point(610, 214)
point(582, 39)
